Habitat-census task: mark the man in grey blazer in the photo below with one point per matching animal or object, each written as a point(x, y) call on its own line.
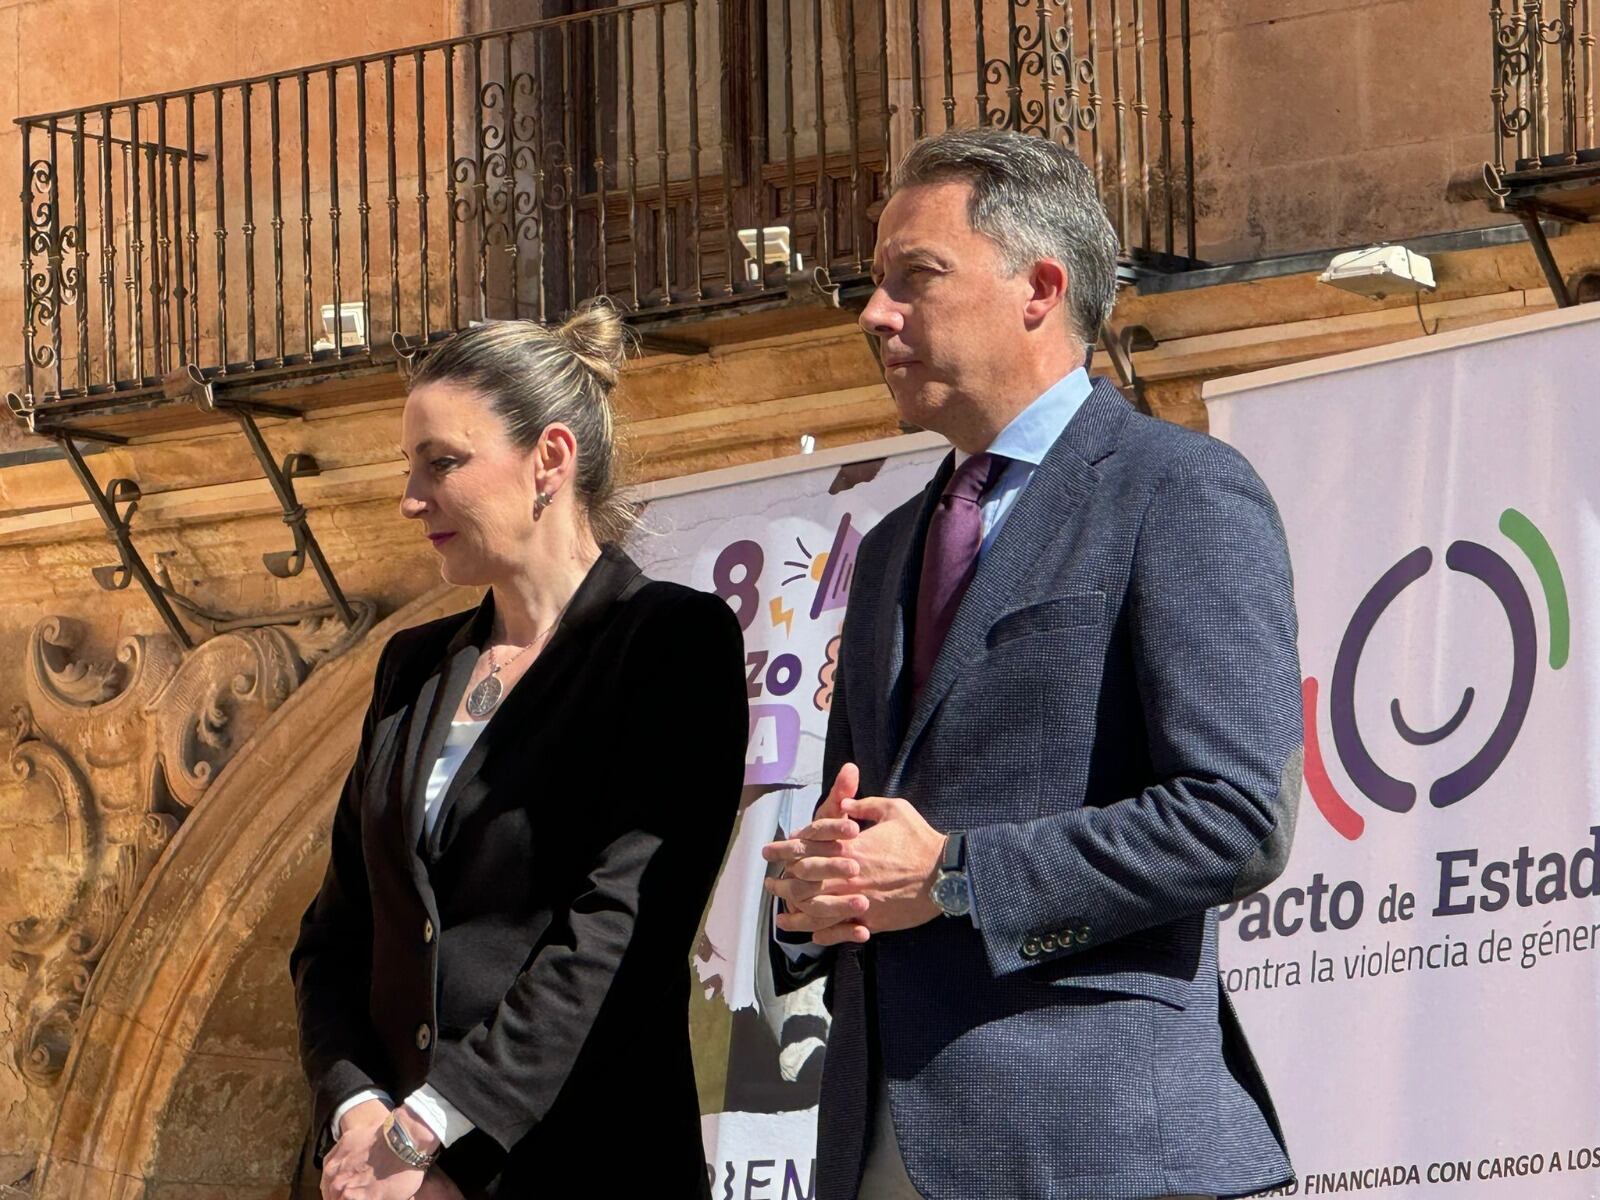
point(1067, 725)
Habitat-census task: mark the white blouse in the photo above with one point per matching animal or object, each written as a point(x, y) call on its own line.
point(457, 742)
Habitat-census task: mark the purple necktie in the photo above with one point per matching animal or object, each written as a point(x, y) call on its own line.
point(948, 559)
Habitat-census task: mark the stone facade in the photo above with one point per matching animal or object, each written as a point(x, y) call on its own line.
point(1331, 123)
point(163, 818)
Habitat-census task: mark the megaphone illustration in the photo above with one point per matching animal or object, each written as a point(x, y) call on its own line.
point(833, 589)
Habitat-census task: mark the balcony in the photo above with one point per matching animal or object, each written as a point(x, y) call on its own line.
point(260, 234)
point(1547, 153)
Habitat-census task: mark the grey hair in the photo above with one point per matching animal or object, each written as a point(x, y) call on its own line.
point(536, 375)
point(1033, 199)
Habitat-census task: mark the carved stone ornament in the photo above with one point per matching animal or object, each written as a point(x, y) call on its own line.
point(107, 759)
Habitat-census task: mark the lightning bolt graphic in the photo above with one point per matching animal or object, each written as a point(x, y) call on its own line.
point(782, 616)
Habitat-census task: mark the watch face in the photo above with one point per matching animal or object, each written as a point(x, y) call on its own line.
point(950, 893)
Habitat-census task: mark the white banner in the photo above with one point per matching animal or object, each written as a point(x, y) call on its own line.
point(1422, 986)
point(778, 542)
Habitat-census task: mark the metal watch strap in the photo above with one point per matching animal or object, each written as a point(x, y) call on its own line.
point(399, 1141)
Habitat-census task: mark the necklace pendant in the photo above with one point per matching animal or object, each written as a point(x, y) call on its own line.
point(481, 701)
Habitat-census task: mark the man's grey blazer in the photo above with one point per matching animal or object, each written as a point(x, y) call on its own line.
point(1115, 718)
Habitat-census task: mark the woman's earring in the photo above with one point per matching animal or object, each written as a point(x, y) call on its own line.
point(542, 501)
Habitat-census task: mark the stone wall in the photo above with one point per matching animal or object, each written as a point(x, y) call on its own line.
point(1332, 123)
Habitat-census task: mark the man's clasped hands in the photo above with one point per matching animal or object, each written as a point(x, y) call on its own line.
point(863, 865)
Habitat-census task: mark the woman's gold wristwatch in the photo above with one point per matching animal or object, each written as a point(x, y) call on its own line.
point(398, 1140)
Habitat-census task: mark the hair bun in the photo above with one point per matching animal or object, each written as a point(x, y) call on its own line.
point(596, 337)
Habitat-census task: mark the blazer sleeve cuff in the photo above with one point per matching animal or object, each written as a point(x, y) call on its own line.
point(1016, 932)
point(340, 1083)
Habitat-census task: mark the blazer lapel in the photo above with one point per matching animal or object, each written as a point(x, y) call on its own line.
point(897, 606)
point(534, 695)
point(428, 721)
point(1046, 511)
point(417, 720)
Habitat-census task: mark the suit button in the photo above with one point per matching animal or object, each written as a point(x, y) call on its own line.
point(427, 931)
point(1047, 943)
point(1030, 948)
point(1083, 936)
point(424, 1037)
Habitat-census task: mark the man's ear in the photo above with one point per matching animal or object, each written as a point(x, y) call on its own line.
point(1047, 282)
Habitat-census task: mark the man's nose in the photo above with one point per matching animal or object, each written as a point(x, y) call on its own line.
point(880, 317)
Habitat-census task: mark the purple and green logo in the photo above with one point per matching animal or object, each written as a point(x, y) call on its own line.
point(1398, 795)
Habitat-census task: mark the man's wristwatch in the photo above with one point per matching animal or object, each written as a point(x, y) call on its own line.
point(952, 891)
point(407, 1151)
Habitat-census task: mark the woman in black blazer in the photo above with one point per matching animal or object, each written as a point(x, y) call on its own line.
point(494, 977)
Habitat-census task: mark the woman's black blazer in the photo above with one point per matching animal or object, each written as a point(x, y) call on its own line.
point(530, 959)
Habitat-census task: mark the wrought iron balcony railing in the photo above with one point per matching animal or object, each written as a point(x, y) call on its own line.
point(297, 223)
point(1544, 86)
point(1546, 150)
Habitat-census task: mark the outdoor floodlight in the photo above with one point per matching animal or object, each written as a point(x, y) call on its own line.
point(1380, 271)
point(771, 242)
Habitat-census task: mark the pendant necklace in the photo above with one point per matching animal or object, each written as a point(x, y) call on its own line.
point(481, 701)
point(485, 698)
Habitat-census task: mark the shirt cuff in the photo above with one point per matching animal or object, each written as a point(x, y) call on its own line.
point(360, 1097)
point(447, 1121)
